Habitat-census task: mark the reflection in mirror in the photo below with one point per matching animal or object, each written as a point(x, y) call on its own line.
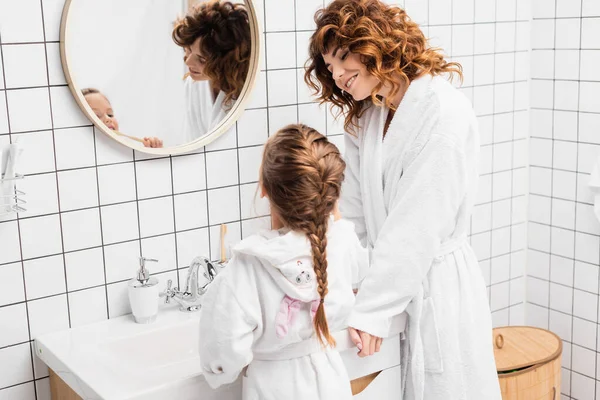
point(159, 72)
point(100, 105)
point(215, 36)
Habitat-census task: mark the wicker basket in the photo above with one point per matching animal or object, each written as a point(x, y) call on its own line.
point(528, 363)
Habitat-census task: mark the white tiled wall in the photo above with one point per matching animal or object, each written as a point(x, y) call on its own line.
point(94, 206)
point(564, 235)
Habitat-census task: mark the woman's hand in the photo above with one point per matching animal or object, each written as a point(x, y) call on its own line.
point(367, 344)
point(153, 142)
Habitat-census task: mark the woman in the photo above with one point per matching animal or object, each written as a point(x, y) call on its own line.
point(411, 154)
point(216, 38)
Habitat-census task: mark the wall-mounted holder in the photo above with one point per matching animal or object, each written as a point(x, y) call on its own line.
point(10, 203)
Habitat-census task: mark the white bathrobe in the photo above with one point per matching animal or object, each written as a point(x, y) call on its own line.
point(410, 196)
point(202, 111)
point(258, 311)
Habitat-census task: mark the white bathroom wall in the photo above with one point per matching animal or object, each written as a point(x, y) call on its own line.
point(94, 206)
point(564, 234)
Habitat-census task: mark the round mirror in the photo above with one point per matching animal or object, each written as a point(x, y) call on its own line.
point(160, 76)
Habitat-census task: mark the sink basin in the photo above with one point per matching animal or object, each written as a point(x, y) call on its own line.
point(119, 359)
point(141, 353)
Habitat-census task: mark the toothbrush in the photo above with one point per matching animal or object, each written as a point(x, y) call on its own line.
point(223, 252)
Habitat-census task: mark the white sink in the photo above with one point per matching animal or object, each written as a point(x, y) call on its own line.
point(145, 353)
point(119, 359)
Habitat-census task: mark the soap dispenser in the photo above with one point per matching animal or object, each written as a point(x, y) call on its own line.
point(143, 294)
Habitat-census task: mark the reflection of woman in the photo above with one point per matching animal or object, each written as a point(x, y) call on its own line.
point(103, 109)
point(216, 38)
point(411, 181)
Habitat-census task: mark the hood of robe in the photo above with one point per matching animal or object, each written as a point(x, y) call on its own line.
point(288, 256)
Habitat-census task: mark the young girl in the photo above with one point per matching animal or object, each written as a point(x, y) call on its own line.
point(285, 292)
point(104, 111)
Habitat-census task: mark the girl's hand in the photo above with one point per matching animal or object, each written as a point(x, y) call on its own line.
point(153, 142)
point(367, 344)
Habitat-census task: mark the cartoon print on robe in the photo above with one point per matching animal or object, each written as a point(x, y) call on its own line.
point(289, 307)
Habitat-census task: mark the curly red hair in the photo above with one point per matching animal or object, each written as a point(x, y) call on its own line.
point(389, 43)
point(224, 31)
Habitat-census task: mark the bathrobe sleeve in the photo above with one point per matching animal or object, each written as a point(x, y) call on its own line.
point(359, 262)
point(227, 326)
point(351, 206)
point(423, 212)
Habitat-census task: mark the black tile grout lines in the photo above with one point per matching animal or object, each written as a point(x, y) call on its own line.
point(16, 221)
point(59, 217)
point(211, 189)
point(174, 221)
point(571, 286)
point(581, 16)
point(576, 184)
point(206, 228)
point(239, 186)
point(306, 30)
point(101, 229)
point(11, 89)
point(554, 58)
point(542, 138)
point(564, 110)
point(207, 211)
point(493, 117)
point(142, 238)
point(512, 164)
point(296, 62)
point(137, 209)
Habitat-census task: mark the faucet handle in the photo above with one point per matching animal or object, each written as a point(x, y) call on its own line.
point(210, 272)
point(168, 293)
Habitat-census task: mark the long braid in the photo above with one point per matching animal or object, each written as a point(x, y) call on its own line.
point(302, 173)
point(318, 241)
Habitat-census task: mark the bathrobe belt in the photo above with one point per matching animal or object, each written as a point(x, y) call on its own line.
point(450, 246)
point(416, 319)
point(305, 348)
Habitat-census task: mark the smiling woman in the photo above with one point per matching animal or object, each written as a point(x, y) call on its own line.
point(410, 185)
point(381, 46)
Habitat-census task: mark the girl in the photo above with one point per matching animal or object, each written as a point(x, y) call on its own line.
point(104, 111)
point(286, 291)
point(411, 150)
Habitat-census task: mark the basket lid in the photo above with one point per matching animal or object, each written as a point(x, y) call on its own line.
point(517, 347)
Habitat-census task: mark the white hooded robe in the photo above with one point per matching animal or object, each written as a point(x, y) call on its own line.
point(241, 320)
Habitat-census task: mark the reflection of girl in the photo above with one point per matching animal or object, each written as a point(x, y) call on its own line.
point(410, 187)
point(216, 38)
point(286, 290)
point(102, 108)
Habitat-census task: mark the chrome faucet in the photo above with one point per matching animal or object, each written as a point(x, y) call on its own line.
point(189, 298)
